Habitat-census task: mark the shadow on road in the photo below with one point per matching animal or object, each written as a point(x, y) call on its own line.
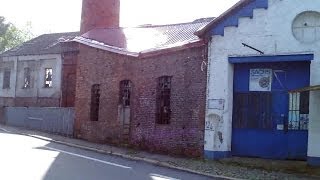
point(73, 163)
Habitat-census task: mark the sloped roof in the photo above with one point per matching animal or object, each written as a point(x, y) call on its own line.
point(233, 14)
point(43, 44)
point(138, 40)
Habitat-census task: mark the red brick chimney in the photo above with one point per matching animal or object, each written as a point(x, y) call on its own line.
point(99, 13)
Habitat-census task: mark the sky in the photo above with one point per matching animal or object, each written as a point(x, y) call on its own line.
point(50, 16)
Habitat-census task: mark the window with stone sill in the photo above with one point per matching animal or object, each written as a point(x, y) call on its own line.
point(125, 93)
point(48, 78)
point(163, 100)
point(95, 102)
point(27, 78)
point(6, 79)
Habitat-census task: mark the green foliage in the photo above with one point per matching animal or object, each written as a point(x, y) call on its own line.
point(11, 36)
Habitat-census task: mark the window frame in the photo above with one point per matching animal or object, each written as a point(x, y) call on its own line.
point(125, 93)
point(163, 102)
point(95, 102)
point(45, 78)
point(27, 76)
point(6, 83)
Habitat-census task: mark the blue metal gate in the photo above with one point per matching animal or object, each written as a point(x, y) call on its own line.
point(264, 124)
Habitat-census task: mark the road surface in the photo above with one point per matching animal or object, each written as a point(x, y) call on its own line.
point(27, 158)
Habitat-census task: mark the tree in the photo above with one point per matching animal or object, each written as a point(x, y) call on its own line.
point(11, 36)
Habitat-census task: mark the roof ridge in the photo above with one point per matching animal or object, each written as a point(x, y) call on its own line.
point(59, 33)
point(196, 21)
point(175, 24)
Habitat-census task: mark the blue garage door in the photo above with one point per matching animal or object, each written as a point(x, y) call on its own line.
point(271, 123)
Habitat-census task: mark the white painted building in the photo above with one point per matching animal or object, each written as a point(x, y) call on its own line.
point(277, 36)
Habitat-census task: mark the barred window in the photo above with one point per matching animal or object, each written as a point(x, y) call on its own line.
point(304, 102)
point(6, 79)
point(163, 100)
point(252, 110)
point(298, 111)
point(125, 92)
point(95, 102)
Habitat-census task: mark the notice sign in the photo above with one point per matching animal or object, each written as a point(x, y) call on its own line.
point(216, 104)
point(260, 79)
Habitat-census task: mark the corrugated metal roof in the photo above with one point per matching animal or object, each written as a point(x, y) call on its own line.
point(143, 39)
point(44, 44)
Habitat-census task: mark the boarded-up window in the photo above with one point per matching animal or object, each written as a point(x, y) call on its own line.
point(95, 102)
point(163, 100)
point(48, 78)
point(27, 78)
point(125, 93)
point(6, 79)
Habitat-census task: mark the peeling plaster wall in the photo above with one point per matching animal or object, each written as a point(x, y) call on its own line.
point(8, 63)
point(36, 94)
point(269, 31)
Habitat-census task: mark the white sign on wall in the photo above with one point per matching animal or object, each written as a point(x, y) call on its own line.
point(260, 80)
point(216, 104)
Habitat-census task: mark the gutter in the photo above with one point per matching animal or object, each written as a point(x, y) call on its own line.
point(142, 54)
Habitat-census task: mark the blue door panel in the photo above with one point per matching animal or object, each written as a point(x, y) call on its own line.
point(297, 144)
point(275, 143)
point(258, 143)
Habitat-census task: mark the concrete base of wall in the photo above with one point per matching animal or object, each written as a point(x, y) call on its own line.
point(47, 119)
point(314, 161)
point(2, 116)
point(215, 155)
point(29, 102)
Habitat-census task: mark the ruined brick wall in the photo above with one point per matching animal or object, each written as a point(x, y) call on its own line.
point(68, 87)
point(184, 134)
point(6, 101)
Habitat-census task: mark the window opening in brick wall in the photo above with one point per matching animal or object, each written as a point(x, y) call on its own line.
point(163, 100)
point(48, 78)
point(125, 93)
point(27, 78)
point(95, 102)
point(298, 111)
point(252, 110)
point(6, 79)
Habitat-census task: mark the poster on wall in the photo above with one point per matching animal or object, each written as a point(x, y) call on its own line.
point(260, 80)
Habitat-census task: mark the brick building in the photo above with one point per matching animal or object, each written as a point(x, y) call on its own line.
point(40, 72)
point(142, 86)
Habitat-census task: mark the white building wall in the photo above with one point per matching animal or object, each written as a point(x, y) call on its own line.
point(270, 30)
point(37, 63)
point(8, 63)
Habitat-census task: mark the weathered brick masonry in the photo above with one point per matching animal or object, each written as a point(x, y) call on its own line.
point(99, 13)
point(69, 68)
point(184, 134)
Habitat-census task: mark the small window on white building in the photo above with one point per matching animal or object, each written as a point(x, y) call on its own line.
point(48, 78)
point(27, 78)
point(6, 79)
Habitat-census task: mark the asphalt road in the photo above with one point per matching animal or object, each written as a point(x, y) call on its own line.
point(27, 158)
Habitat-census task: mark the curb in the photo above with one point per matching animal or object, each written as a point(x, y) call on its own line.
point(147, 160)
